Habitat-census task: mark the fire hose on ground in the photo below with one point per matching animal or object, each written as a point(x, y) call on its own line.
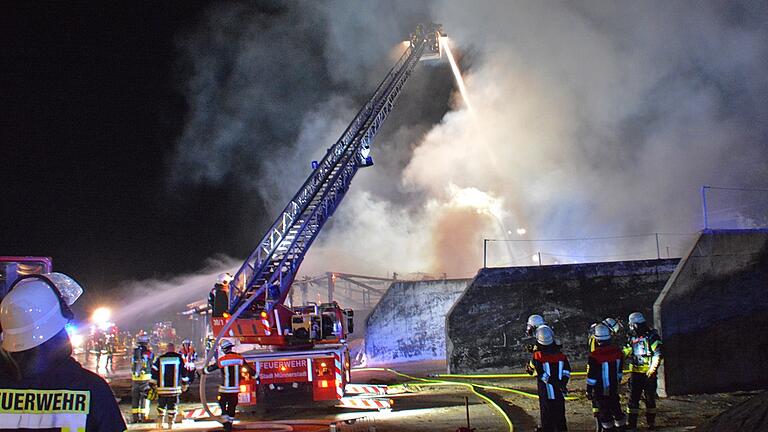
point(472, 387)
point(439, 380)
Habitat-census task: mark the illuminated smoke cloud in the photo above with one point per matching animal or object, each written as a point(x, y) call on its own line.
point(588, 119)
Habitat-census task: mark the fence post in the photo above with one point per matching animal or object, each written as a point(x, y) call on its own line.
point(658, 252)
point(485, 253)
point(704, 205)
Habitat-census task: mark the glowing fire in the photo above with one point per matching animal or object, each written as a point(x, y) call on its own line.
point(456, 72)
point(471, 197)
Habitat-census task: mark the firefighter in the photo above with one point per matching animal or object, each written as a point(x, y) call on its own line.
point(553, 372)
point(534, 322)
point(141, 374)
point(99, 351)
point(44, 386)
point(604, 370)
point(169, 375)
point(189, 355)
point(110, 354)
point(643, 350)
point(218, 298)
point(231, 364)
point(614, 327)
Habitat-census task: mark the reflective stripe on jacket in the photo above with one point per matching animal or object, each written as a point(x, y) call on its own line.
point(230, 365)
point(168, 372)
point(552, 370)
point(62, 397)
point(604, 370)
point(643, 352)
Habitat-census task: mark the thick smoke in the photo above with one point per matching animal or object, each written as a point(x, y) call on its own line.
point(589, 119)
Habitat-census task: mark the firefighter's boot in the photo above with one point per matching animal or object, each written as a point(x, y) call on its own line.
point(632, 422)
point(227, 426)
point(650, 419)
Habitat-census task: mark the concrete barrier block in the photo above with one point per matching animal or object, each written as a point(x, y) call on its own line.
point(408, 323)
point(712, 315)
point(485, 328)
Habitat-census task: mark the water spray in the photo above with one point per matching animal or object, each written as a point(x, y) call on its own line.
point(456, 71)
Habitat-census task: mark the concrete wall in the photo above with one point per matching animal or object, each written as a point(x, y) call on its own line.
point(485, 328)
point(408, 323)
point(713, 315)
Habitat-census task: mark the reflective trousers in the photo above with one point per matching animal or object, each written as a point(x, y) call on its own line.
point(552, 414)
point(228, 404)
point(139, 402)
point(167, 405)
point(640, 385)
point(609, 412)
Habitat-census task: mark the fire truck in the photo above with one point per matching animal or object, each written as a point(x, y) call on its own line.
point(300, 352)
point(13, 267)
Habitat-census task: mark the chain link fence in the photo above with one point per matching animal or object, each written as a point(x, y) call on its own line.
point(532, 252)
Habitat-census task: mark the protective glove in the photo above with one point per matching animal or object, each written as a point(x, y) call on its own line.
point(651, 373)
point(152, 394)
point(529, 370)
point(564, 389)
point(590, 393)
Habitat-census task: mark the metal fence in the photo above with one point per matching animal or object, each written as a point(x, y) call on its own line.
point(531, 252)
point(722, 208)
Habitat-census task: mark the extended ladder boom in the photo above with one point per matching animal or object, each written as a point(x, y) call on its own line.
point(268, 272)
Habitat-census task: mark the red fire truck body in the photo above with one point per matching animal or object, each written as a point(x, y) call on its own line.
point(317, 374)
point(312, 366)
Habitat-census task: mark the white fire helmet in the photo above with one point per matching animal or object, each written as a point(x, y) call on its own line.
point(534, 322)
point(602, 332)
point(35, 309)
point(545, 335)
point(636, 318)
point(226, 345)
point(613, 325)
point(224, 279)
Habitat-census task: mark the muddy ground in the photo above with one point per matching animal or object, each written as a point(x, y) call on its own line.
point(422, 407)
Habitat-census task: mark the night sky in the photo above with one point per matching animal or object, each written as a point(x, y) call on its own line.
point(91, 112)
point(94, 108)
point(142, 140)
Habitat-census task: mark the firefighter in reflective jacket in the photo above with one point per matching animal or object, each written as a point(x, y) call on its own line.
point(615, 328)
point(190, 357)
point(553, 372)
point(169, 375)
point(604, 369)
point(231, 365)
point(41, 386)
point(141, 373)
point(644, 353)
